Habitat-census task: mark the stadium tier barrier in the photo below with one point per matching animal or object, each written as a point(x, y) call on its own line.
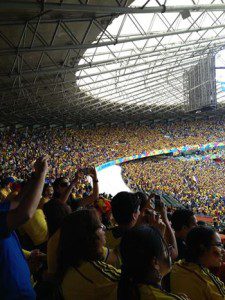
point(173, 151)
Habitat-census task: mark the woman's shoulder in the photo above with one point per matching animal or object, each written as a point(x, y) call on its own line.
point(150, 292)
point(108, 271)
point(182, 266)
point(197, 279)
point(187, 271)
point(96, 272)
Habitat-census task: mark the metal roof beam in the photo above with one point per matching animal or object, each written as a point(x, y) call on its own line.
point(192, 61)
point(106, 9)
point(141, 64)
point(107, 43)
point(147, 54)
point(78, 92)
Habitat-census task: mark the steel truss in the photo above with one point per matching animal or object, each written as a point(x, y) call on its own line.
point(65, 62)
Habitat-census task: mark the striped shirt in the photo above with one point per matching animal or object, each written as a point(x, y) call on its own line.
point(148, 292)
point(196, 282)
point(91, 281)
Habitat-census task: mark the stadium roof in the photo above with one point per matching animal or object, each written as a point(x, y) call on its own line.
point(73, 62)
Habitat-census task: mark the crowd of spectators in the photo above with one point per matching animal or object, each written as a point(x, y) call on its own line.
point(60, 239)
point(70, 254)
point(196, 184)
point(70, 149)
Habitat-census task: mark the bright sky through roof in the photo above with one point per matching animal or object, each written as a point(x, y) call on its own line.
point(149, 71)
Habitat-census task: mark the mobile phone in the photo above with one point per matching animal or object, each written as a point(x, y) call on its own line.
point(157, 202)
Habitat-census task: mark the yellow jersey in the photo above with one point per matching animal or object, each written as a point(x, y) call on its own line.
point(114, 243)
point(91, 281)
point(26, 253)
point(148, 292)
point(36, 228)
point(111, 241)
point(196, 282)
point(4, 193)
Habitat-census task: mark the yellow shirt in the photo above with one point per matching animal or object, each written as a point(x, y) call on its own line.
point(11, 196)
point(4, 193)
point(148, 292)
point(26, 253)
point(36, 228)
point(196, 282)
point(42, 202)
point(114, 243)
point(91, 281)
point(111, 241)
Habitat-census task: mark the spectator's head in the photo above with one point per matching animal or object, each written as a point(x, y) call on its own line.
point(183, 220)
point(55, 215)
point(48, 191)
point(125, 208)
point(60, 185)
point(16, 187)
point(82, 239)
point(201, 223)
point(144, 201)
point(204, 247)
point(7, 182)
point(145, 258)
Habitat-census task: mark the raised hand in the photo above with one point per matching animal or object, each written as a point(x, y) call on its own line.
point(41, 165)
point(93, 173)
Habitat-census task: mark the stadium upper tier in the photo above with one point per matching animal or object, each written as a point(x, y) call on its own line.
point(70, 149)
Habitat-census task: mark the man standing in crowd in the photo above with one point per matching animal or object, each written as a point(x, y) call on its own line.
point(183, 220)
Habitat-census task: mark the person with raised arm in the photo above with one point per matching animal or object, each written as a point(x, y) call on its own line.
point(57, 209)
point(89, 200)
point(15, 281)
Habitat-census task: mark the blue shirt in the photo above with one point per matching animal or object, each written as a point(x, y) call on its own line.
point(15, 281)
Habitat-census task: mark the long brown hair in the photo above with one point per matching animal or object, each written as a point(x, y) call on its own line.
point(78, 240)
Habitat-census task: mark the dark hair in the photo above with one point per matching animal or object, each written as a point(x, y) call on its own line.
point(78, 240)
point(180, 218)
point(201, 223)
point(124, 204)
point(55, 212)
point(6, 181)
point(143, 199)
point(56, 185)
point(46, 186)
point(139, 246)
point(198, 240)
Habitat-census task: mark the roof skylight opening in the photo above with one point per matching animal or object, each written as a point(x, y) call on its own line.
point(150, 53)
